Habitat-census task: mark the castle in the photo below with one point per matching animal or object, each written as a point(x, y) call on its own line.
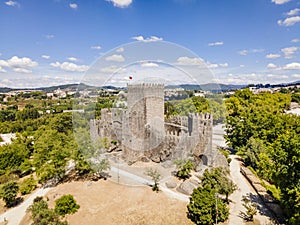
point(144, 134)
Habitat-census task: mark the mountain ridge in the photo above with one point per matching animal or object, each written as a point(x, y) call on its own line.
point(217, 87)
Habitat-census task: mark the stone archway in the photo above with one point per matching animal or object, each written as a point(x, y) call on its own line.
point(204, 159)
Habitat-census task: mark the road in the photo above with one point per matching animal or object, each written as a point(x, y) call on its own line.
point(15, 215)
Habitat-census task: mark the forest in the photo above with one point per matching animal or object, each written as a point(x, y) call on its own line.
point(268, 141)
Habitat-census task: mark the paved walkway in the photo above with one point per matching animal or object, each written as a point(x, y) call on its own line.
point(15, 215)
point(144, 181)
point(244, 188)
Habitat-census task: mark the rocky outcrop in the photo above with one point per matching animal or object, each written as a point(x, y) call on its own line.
point(188, 186)
point(171, 184)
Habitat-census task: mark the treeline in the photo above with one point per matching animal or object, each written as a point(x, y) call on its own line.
point(268, 141)
point(196, 104)
point(12, 119)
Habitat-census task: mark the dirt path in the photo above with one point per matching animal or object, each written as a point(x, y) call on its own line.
point(15, 215)
point(244, 188)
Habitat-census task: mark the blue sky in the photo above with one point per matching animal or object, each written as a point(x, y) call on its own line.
point(53, 42)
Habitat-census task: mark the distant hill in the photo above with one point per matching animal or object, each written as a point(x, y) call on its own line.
point(71, 87)
point(214, 87)
point(5, 89)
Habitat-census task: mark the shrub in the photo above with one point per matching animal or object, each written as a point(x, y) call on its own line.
point(27, 185)
point(66, 204)
point(184, 168)
point(9, 193)
point(42, 215)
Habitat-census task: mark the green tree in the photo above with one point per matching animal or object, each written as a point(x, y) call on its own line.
point(9, 193)
point(66, 204)
point(251, 152)
point(217, 179)
point(42, 215)
point(155, 176)
point(184, 167)
point(282, 163)
point(203, 207)
point(101, 167)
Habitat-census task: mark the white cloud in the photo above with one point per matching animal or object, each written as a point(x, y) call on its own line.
point(189, 61)
point(289, 52)
point(271, 66)
point(20, 65)
point(280, 2)
point(216, 43)
point(212, 65)
point(223, 64)
point(149, 39)
point(138, 38)
point(120, 50)
point(73, 59)
point(22, 70)
point(293, 12)
point(257, 50)
point(292, 66)
point(2, 70)
point(113, 69)
point(116, 58)
point(73, 5)
point(72, 67)
point(274, 76)
point(289, 21)
point(246, 52)
point(49, 36)
point(296, 75)
point(16, 62)
point(295, 40)
point(12, 3)
point(272, 56)
point(96, 47)
point(149, 64)
point(45, 56)
point(121, 3)
point(243, 52)
point(4, 63)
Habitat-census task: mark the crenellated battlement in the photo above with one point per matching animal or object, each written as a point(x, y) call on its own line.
point(145, 85)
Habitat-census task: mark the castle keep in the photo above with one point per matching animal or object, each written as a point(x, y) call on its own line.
point(144, 134)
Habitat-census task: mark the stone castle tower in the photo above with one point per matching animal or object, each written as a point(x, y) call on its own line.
point(144, 134)
point(144, 120)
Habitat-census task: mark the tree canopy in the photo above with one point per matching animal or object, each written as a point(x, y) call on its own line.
point(268, 140)
point(66, 204)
